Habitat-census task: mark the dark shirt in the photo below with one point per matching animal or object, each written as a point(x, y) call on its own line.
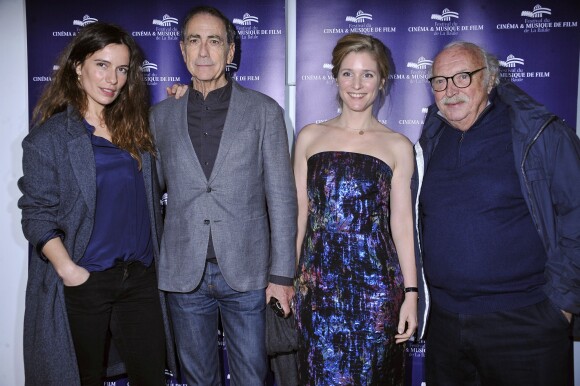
point(205, 123)
point(482, 252)
point(121, 230)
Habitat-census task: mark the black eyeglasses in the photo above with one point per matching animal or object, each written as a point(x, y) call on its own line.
point(461, 80)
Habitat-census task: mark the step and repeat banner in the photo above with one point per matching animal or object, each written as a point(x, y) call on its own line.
point(537, 45)
point(259, 62)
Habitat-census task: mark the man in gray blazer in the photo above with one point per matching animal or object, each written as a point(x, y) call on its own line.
point(230, 222)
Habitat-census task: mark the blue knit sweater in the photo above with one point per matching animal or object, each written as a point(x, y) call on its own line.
point(482, 252)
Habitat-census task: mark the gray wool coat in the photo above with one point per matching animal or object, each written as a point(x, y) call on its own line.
point(59, 192)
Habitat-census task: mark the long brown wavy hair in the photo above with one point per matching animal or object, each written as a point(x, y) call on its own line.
point(127, 116)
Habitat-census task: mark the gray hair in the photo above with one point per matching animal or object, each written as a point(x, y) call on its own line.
point(489, 59)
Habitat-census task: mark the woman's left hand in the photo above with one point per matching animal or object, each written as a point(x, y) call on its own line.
point(407, 318)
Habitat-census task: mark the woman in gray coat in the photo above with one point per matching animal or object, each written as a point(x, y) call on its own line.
point(90, 212)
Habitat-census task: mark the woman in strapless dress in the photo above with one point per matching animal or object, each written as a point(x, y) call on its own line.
point(356, 295)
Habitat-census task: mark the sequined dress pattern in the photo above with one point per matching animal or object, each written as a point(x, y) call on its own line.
point(349, 284)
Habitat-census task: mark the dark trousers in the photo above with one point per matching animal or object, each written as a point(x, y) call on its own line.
point(526, 346)
point(121, 303)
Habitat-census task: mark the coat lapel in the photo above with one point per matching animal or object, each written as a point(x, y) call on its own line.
point(151, 193)
point(83, 162)
point(146, 171)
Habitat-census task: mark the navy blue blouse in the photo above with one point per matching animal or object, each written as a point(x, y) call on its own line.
point(121, 231)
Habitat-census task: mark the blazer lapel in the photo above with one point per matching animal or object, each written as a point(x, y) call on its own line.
point(183, 135)
point(236, 112)
point(83, 163)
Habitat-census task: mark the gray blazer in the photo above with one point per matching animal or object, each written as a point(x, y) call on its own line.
point(248, 203)
point(59, 192)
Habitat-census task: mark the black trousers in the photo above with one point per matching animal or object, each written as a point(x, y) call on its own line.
point(526, 346)
point(121, 303)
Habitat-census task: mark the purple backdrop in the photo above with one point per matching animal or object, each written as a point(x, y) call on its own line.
point(155, 25)
point(538, 46)
point(259, 62)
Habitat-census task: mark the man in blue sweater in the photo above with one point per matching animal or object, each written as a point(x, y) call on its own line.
point(497, 199)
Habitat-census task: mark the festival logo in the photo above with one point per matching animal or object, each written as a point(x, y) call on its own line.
point(245, 28)
point(445, 16)
point(147, 66)
point(152, 77)
point(360, 23)
point(78, 23)
point(445, 23)
point(537, 20)
point(421, 63)
point(166, 21)
point(360, 17)
point(511, 61)
point(166, 28)
point(247, 19)
point(538, 12)
point(513, 69)
point(86, 20)
point(420, 71)
point(248, 28)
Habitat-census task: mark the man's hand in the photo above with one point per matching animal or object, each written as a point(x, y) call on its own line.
point(177, 90)
point(284, 294)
